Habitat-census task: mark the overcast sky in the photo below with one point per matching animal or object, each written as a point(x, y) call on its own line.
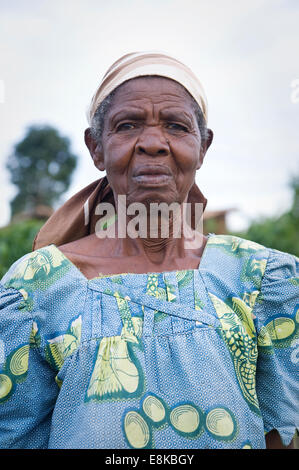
point(53, 54)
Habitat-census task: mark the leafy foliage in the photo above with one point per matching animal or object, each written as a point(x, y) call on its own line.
point(41, 167)
point(280, 232)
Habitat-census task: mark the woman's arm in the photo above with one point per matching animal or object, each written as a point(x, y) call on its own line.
point(273, 441)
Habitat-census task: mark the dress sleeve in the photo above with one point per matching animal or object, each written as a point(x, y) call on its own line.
point(27, 386)
point(277, 319)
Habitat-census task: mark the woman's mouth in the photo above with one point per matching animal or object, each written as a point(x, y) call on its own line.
point(152, 175)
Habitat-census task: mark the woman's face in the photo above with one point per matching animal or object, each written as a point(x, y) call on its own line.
point(151, 144)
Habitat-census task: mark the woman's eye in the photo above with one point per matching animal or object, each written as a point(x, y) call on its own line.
point(126, 126)
point(177, 127)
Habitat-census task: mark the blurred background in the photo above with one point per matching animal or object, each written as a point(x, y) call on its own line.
point(53, 54)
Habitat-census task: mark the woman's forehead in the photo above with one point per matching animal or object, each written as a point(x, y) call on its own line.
point(152, 87)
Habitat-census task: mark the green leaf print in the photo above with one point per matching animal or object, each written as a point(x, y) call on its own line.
point(62, 346)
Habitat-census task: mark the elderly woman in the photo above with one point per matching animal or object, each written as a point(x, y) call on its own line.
point(118, 341)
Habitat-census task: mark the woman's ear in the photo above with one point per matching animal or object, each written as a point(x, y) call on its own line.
point(204, 147)
point(95, 149)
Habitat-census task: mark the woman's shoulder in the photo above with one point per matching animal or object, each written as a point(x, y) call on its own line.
point(45, 286)
point(42, 265)
point(236, 245)
point(251, 260)
point(40, 276)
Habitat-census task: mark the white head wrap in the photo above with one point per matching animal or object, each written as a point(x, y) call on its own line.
point(138, 64)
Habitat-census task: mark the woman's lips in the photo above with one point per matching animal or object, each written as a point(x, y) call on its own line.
point(152, 175)
point(152, 179)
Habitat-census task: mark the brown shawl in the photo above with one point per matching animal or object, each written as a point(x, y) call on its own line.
point(77, 219)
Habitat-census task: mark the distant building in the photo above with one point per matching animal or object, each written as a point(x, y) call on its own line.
point(40, 212)
point(215, 221)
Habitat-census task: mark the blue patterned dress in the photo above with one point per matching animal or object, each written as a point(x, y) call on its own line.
point(204, 358)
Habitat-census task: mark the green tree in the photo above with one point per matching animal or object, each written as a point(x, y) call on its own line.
point(280, 232)
point(41, 167)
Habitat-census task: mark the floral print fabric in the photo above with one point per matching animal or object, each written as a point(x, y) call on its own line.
point(204, 358)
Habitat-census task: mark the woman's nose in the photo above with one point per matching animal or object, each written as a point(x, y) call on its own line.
point(152, 142)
